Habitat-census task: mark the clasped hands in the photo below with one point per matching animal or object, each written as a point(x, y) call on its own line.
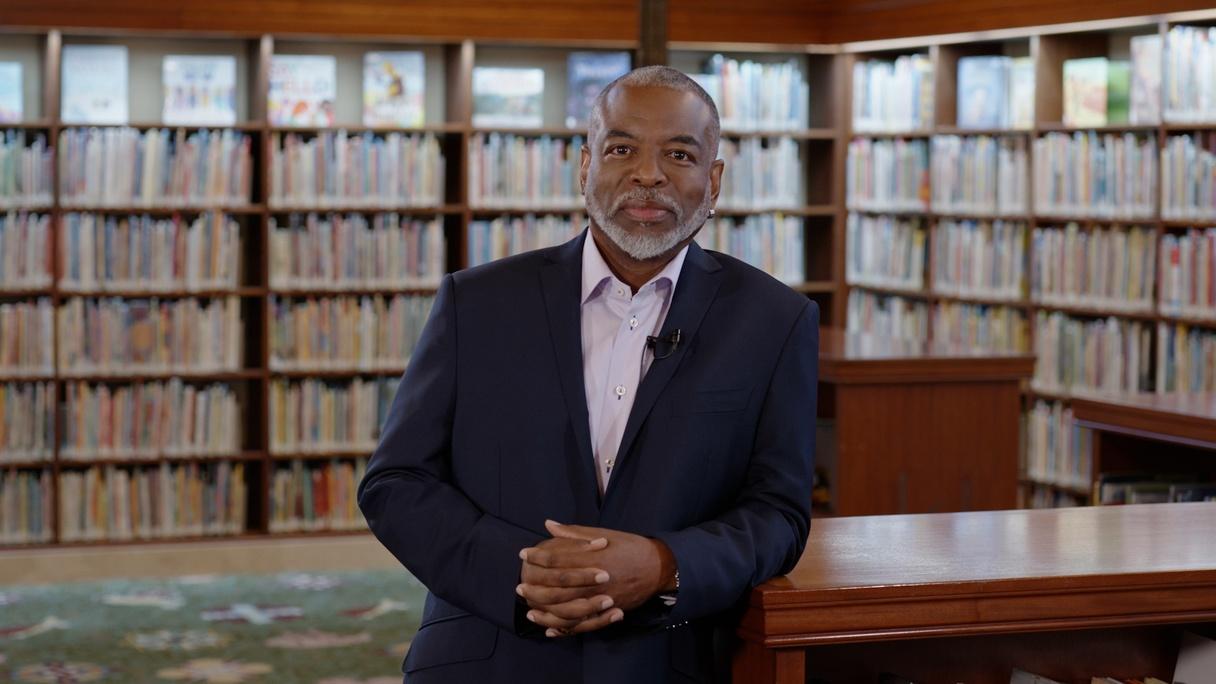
point(586, 578)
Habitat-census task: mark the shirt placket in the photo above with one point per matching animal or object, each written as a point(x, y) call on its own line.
point(624, 372)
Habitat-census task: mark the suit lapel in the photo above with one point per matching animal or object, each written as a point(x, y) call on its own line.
point(695, 291)
point(561, 286)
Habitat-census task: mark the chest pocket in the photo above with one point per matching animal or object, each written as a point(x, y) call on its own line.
point(720, 401)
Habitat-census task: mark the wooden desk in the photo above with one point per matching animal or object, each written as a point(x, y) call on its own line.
point(920, 428)
point(968, 596)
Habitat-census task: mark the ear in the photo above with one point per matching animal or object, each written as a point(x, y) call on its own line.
point(583, 168)
point(715, 179)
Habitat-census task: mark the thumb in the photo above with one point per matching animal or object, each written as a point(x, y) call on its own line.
point(587, 534)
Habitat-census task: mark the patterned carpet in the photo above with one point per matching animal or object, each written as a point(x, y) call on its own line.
point(339, 628)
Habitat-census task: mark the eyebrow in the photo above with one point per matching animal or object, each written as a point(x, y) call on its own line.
point(682, 139)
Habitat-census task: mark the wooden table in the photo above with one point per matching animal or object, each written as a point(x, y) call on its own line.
point(968, 596)
point(920, 428)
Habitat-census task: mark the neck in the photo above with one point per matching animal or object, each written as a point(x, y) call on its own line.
point(632, 272)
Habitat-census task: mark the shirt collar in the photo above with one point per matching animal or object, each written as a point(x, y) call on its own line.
point(596, 271)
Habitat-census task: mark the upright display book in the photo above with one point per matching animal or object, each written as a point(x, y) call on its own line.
point(200, 90)
point(1146, 79)
point(1118, 91)
point(506, 97)
point(10, 92)
point(1021, 93)
point(302, 90)
point(587, 73)
point(983, 83)
point(1085, 82)
point(394, 87)
point(94, 84)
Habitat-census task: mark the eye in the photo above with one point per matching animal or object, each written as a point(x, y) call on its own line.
point(681, 155)
point(619, 150)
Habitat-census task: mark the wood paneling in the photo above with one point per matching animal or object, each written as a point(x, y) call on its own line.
point(772, 22)
point(553, 20)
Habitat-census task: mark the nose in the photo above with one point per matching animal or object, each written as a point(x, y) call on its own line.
point(647, 172)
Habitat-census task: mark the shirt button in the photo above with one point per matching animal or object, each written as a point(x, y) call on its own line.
point(633, 323)
point(620, 291)
point(620, 390)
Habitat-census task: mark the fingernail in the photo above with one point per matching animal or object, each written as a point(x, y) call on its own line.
point(617, 617)
point(550, 632)
point(606, 604)
point(531, 617)
point(523, 554)
point(519, 590)
point(553, 522)
point(601, 578)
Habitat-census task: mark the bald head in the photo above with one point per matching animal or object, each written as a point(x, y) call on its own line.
point(656, 77)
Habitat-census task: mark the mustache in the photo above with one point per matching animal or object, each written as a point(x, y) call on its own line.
point(648, 195)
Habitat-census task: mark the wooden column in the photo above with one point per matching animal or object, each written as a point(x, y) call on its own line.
point(652, 32)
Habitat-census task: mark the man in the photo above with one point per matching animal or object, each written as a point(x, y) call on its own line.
point(598, 448)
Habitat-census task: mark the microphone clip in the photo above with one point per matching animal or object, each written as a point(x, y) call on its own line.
point(665, 345)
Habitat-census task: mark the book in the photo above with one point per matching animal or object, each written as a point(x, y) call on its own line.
point(1118, 91)
point(586, 75)
point(516, 171)
point(983, 85)
point(766, 174)
point(1089, 174)
point(369, 333)
point(773, 243)
point(1021, 93)
point(394, 89)
point(893, 95)
point(302, 90)
point(10, 92)
point(754, 96)
point(314, 416)
point(887, 316)
point(199, 90)
point(509, 235)
point(335, 169)
point(885, 252)
point(1146, 80)
point(1085, 83)
point(94, 86)
point(887, 175)
point(508, 97)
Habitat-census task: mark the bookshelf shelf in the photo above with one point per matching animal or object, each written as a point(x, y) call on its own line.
point(958, 216)
point(980, 300)
point(1189, 223)
point(24, 293)
point(892, 291)
point(165, 294)
point(321, 455)
point(876, 211)
point(1117, 128)
point(1189, 321)
point(550, 131)
point(336, 374)
point(443, 128)
point(1093, 220)
point(812, 287)
point(411, 210)
point(892, 134)
point(1082, 492)
point(809, 210)
point(26, 125)
point(249, 210)
point(26, 464)
point(992, 132)
point(243, 126)
point(9, 376)
point(1096, 312)
point(519, 210)
point(351, 292)
point(66, 463)
point(796, 134)
point(124, 377)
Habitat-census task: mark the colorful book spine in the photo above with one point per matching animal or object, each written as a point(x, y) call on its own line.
point(893, 95)
point(335, 170)
point(26, 507)
point(314, 497)
point(887, 175)
point(111, 503)
point(314, 417)
point(1190, 63)
point(25, 251)
point(142, 254)
point(983, 259)
point(1146, 79)
point(1188, 177)
point(1186, 359)
point(27, 338)
point(506, 236)
point(150, 420)
point(345, 333)
point(886, 252)
point(1111, 269)
point(1085, 357)
point(27, 422)
point(514, 171)
point(128, 337)
point(1091, 175)
point(124, 167)
point(773, 243)
point(887, 316)
point(976, 326)
point(765, 174)
point(335, 252)
point(1188, 274)
point(980, 175)
point(756, 96)
point(1057, 451)
point(25, 171)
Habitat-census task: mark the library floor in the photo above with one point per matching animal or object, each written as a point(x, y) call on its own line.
point(311, 628)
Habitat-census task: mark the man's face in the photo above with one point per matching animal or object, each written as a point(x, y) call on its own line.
point(649, 175)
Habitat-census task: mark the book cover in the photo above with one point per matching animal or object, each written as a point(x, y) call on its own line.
point(94, 84)
point(10, 92)
point(1085, 82)
point(200, 90)
point(586, 75)
point(508, 97)
point(1146, 79)
point(1118, 91)
point(394, 89)
point(982, 86)
point(302, 90)
point(1021, 93)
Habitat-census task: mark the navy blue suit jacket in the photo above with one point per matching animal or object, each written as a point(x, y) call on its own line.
point(488, 436)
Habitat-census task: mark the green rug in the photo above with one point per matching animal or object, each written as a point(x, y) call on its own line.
point(335, 628)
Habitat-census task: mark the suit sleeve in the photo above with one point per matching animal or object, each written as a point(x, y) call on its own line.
point(463, 555)
point(764, 533)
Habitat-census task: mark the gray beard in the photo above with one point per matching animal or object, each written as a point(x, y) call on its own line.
point(646, 245)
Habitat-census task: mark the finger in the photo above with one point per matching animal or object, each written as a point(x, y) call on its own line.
point(562, 577)
point(587, 534)
point(598, 622)
point(551, 558)
point(578, 609)
point(549, 620)
point(538, 596)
